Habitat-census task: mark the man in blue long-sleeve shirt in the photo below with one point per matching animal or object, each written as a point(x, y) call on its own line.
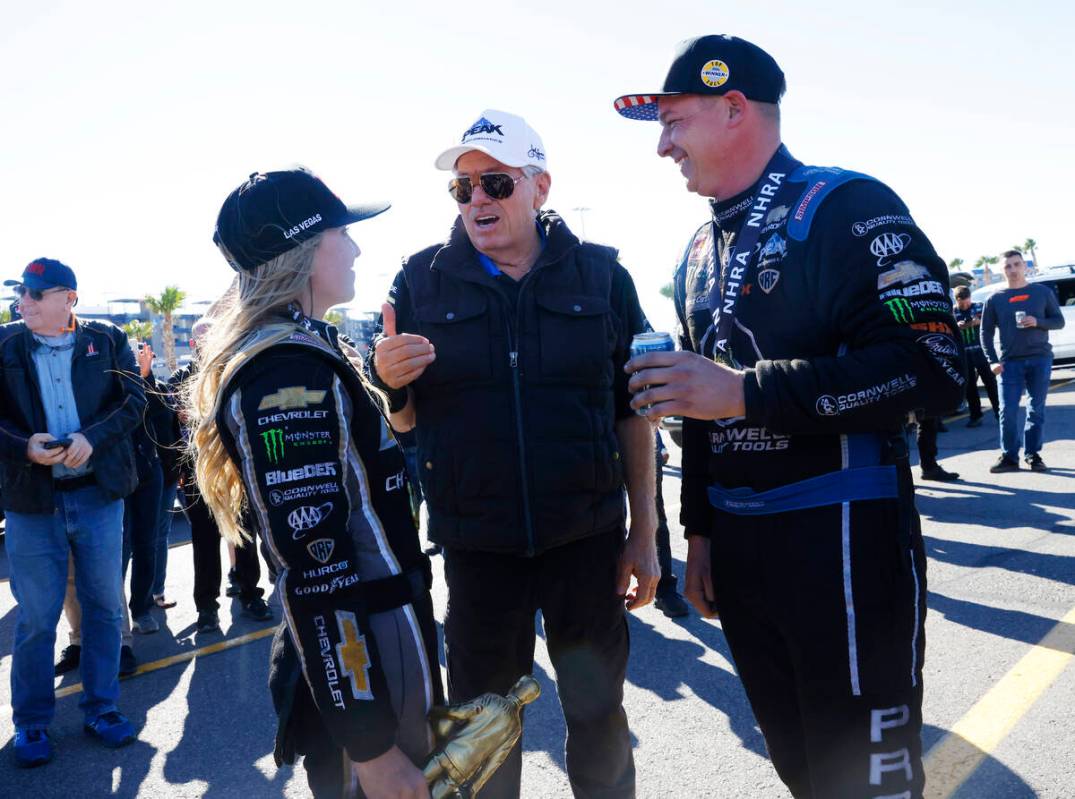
point(1023, 313)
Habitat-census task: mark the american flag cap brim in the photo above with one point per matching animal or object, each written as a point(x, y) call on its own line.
point(640, 106)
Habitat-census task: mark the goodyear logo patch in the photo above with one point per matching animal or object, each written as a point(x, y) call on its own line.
point(715, 73)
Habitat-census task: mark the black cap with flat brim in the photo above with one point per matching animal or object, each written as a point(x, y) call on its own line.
point(274, 212)
point(711, 65)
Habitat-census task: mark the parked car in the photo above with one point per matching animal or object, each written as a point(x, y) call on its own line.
point(1061, 279)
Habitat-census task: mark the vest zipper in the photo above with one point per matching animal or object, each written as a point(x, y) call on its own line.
point(513, 345)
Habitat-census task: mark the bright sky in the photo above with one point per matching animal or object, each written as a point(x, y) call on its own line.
point(125, 124)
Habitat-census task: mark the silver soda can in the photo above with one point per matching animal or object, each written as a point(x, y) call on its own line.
point(650, 342)
point(1019, 317)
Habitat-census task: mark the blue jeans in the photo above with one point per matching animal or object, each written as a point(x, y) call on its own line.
point(140, 530)
point(1031, 375)
point(164, 530)
point(89, 526)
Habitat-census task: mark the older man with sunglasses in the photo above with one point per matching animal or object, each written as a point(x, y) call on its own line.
point(504, 348)
point(67, 463)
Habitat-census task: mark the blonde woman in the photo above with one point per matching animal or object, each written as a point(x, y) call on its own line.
point(286, 435)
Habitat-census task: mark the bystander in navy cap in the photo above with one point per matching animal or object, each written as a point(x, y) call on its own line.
point(273, 212)
point(46, 273)
point(712, 65)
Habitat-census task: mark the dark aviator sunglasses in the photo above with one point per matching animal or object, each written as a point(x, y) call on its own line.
point(498, 185)
point(36, 294)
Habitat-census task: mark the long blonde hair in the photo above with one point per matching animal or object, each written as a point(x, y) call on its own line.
point(254, 301)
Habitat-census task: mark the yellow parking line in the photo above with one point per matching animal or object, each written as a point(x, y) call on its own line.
point(163, 663)
point(980, 731)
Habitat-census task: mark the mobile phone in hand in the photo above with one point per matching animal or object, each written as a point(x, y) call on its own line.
point(57, 443)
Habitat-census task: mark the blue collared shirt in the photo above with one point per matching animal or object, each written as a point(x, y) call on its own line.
point(52, 357)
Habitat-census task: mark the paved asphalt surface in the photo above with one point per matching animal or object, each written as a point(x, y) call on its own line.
point(1001, 577)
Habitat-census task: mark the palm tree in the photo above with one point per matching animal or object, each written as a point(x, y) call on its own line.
point(1030, 246)
point(137, 330)
point(667, 290)
point(165, 305)
point(984, 263)
point(955, 264)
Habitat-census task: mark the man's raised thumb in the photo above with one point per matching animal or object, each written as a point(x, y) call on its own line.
point(388, 320)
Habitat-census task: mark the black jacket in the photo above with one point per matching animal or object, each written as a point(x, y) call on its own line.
point(515, 417)
point(110, 400)
point(327, 487)
point(843, 325)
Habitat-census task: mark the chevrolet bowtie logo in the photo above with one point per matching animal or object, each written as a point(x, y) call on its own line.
point(291, 397)
point(352, 655)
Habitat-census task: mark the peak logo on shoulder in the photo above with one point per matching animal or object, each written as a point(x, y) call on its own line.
point(278, 477)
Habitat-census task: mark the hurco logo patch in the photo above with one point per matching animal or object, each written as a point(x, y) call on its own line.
point(715, 73)
point(900, 309)
point(273, 439)
point(291, 397)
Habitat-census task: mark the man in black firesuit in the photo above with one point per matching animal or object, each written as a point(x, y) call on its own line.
point(814, 316)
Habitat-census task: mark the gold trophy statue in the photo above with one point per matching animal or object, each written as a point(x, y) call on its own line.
point(474, 738)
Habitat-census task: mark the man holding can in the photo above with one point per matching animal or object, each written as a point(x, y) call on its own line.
point(504, 348)
point(1023, 314)
point(815, 316)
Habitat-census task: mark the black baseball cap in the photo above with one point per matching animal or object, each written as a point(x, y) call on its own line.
point(273, 212)
point(46, 273)
point(714, 65)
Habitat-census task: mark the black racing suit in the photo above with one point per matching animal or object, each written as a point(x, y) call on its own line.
point(843, 325)
point(977, 363)
point(355, 664)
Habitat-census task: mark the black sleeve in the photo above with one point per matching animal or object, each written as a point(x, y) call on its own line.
point(989, 329)
point(884, 296)
point(121, 416)
point(14, 439)
point(292, 443)
point(624, 300)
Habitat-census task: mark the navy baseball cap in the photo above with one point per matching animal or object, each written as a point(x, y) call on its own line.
point(712, 65)
point(46, 273)
point(273, 212)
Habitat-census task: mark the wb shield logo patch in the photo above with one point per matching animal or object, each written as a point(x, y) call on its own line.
point(767, 279)
point(321, 549)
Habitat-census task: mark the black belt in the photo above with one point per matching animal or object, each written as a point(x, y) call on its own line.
point(75, 483)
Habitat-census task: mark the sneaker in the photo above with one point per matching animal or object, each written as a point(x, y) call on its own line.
point(32, 748)
point(161, 602)
point(1004, 465)
point(233, 588)
point(936, 472)
point(144, 625)
point(257, 609)
point(975, 422)
point(128, 663)
point(69, 659)
point(672, 605)
point(111, 728)
point(1036, 464)
point(208, 621)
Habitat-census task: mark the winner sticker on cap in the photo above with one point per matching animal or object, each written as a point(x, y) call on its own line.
point(715, 73)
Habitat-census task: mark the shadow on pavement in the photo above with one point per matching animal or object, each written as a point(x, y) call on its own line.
point(990, 778)
point(1053, 567)
point(1013, 624)
point(966, 502)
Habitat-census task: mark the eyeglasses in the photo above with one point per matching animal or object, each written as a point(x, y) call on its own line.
point(498, 185)
point(36, 294)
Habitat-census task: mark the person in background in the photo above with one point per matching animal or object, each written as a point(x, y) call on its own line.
point(667, 599)
point(968, 316)
point(1023, 313)
point(67, 463)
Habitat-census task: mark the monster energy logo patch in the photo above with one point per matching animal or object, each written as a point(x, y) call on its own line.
point(900, 310)
point(273, 439)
